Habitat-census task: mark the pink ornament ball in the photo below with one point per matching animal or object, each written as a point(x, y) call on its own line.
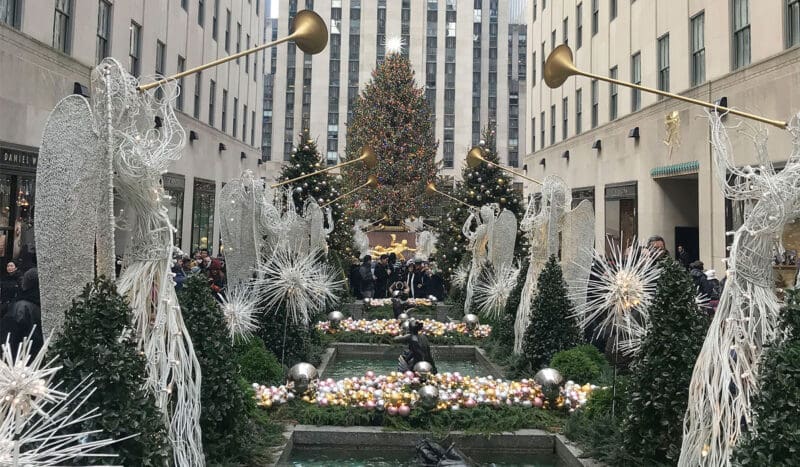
point(323, 402)
point(370, 374)
point(391, 410)
point(537, 402)
point(470, 403)
point(404, 410)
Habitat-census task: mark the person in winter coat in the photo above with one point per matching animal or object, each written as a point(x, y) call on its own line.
point(382, 273)
point(10, 283)
point(24, 316)
point(216, 278)
point(697, 271)
point(366, 278)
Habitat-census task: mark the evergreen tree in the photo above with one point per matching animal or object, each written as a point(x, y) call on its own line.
point(392, 116)
point(96, 343)
point(224, 408)
point(322, 187)
point(775, 440)
point(551, 329)
point(482, 185)
point(662, 369)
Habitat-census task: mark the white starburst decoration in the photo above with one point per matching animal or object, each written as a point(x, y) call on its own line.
point(460, 276)
point(394, 45)
point(620, 291)
point(40, 425)
point(494, 288)
point(239, 306)
point(301, 283)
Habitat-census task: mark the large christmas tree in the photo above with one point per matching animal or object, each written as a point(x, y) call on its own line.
point(322, 187)
point(482, 185)
point(392, 116)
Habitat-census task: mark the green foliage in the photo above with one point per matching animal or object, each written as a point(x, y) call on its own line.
point(663, 368)
point(323, 187)
point(392, 116)
point(90, 346)
point(481, 185)
point(224, 405)
point(576, 366)
point(551, 329)
point(290, 342)
point(481, 419)
point(776, 438)
point(256, 363)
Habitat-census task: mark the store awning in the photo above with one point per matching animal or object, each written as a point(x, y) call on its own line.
point(674, 170)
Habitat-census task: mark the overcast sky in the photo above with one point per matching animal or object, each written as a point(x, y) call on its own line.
point(274, 8)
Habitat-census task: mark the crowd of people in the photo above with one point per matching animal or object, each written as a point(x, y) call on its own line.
point(201, 263)
point(20, 308)
point(376, 279)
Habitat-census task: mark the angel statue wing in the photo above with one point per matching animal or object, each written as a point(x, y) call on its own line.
point(502, 239)
point(577, 240)
point(237, 206)
point(69, 168)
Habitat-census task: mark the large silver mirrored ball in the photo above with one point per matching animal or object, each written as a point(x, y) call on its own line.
point(402, 316)
point(470, 320)
point(428, 396)
point(550, 380)
point(303, 375)
point(404, 327)
point(335, 317)
point(423, 369)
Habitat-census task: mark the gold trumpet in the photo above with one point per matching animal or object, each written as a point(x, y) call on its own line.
point(475, 158)
point(430, 188)
point(372, 182)
point(367, 156)
point(309, 32)
point(559, 67)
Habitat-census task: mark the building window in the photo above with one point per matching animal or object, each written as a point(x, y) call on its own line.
point(448, 148)
point(533, 133)
point(380, 38)
point(203, 214)
point(699, 49)
point(252, 128)
point(792, 22)
point(353, 57)
point(544, 4)
point(741, 33)
point(541, 130)
point(103, 29)
point(212, 99)
point(198, 81)
point(235, 116)
point(565, 30)
point(578, 26)
point(663, 63)
point(613, 91)
point(431, 38)
point(533, 69)
point(62, 26)
point(161, 50)
point(543, 57)
point(636, 78)
point(621, 220)
point(185, 4)
point(135, 49)
point(534, 15)
point(612, 9)
point(595, 16)
point(552, 124)
point(247, 57)
point(238, 39)
point(595, 103)
point(10, 12)
point(201, 12)
point(580, 194)
point(564, 118)
point(244, 123)
point(552, 40)
point(578, 111)
point(224, 110)
point(181, 68)
point(227, 31)
point(405, 26)
point(173, 186)
point(215, 21)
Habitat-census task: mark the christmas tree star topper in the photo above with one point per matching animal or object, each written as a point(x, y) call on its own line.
point(394, 45)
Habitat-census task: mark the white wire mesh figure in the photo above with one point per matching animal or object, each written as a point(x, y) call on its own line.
point(240, 209)
point(360, 239)
point(726, 373)
point(142, 154)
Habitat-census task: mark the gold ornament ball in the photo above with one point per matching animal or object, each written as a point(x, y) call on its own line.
point(502, 200)
point(500, 181)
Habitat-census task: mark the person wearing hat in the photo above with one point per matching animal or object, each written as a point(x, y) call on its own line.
point(366, 278)
point(415, 280)
point(714, 287)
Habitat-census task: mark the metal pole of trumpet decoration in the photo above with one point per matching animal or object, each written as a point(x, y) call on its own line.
point(475, 158)
point(367, 156)
point(372, 182)
point(309, 33)
point(431, 188)
point(559, 67)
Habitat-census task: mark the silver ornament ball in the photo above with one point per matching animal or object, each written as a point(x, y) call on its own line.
point(335, 317)
point(550, 380)
point(402, 316)
point(303, 375)
point(471, 320)
point(423, 369)
point(428, 396)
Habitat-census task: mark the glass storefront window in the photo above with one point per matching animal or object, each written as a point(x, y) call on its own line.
point(203, 214)
point(174, 187)
point(621, 220)
point(580, 194)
